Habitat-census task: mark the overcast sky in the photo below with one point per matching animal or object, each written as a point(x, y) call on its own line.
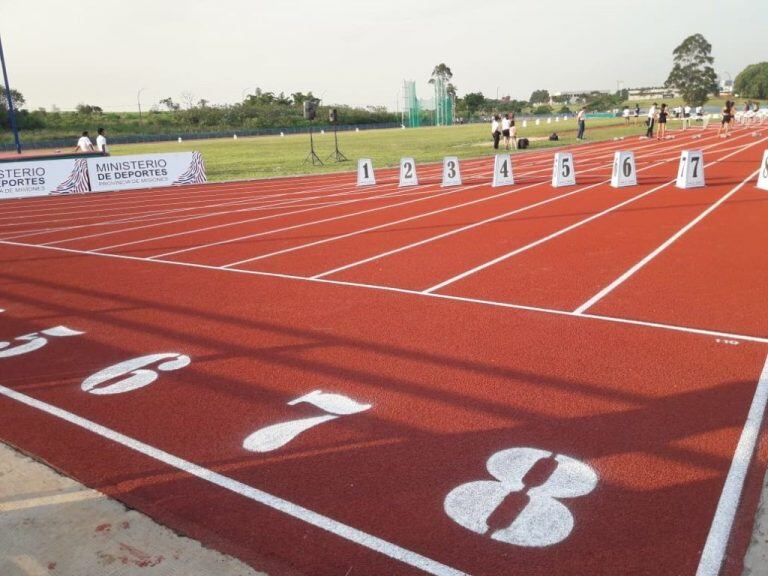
point(356, 52)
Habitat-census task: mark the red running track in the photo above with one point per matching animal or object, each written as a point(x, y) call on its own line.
point(477, 436)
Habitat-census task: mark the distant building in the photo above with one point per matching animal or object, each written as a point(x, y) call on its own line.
point(651, 93)
point(725, 86)
point(573, 96)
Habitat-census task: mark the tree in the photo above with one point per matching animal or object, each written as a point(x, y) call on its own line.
point(540, 97)
point(88, 109)
point(692, 73)
point(473, 101)
point(169, 104)
point(441, 71)
point(752, 82)
point(16, 97)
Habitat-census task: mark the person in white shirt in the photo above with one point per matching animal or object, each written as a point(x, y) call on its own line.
point(101, 142)
point(625, 115)
point(496, 131)
point(84, 144)
point(505, 126)
point(581, 120)
point(650, 121)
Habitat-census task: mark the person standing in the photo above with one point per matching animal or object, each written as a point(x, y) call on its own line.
point(505, 125)
point(650, 121)
point(84, 144)
point(725, 124)
point(637, 113)
point(101, 142)
point(625, 115)
point(513, 130)
point(581, 119)
point(496, 131)
point(663, 113)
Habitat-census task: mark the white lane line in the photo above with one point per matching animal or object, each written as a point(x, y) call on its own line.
point(423, 196)
point(275, 502)
point(671, 240)
point(194, 217)
point(553, 311)
point(573, 226)
point(201, 204)
point(719, 533)
point(385, 224)
point(197, 247)
point(431, 239)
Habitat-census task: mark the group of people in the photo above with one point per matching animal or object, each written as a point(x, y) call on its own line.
point(84, 143)
point(504, 128)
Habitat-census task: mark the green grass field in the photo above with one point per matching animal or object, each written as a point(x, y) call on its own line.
point(269, 156)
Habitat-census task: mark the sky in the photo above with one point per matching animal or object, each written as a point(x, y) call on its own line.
point(356, 52)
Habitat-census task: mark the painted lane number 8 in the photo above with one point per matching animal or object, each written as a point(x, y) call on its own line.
point(544, 520)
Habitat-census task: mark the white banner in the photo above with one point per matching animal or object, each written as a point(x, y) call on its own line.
point(146, 171)
point(43, 177)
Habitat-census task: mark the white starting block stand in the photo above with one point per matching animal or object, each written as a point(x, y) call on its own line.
point(762, 178)
point(624, 171)
point(408, 173)
point(690, 174)
point(365, 175)
point(451, 172)
point(502, 171)
point(563, 171)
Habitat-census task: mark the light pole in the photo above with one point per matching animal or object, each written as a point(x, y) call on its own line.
point(138, 101)
point(11, 110)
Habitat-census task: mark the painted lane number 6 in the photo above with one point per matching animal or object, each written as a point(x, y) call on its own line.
point(133, 374)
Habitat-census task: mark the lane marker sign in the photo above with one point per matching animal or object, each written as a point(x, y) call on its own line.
point(408, 172)
point(564, 170)
point(278, 435)
point(762, 179)
point(690, 173)
point(624, 172)
point(544, 520)
point(365, 175)
point(502, 170)
point(451, 171)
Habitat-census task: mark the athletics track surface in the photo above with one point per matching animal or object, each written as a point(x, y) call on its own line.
point(512, 380)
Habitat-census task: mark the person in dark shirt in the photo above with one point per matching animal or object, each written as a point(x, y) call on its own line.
point(662, 131)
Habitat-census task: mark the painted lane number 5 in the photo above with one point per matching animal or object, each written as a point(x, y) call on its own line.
point(544, 520)
point(34, 341)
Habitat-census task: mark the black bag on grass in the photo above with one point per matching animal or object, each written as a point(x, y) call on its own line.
point(554, 137)
point(522, 143)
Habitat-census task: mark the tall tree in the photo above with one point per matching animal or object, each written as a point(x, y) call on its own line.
point(692, 73)
point(441, 71)
point(540, 97)
point(752, 82)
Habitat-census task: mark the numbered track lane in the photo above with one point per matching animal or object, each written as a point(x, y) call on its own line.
point(314, 427)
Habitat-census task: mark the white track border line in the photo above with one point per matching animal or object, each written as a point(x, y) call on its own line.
point(553, 311)
point(275, 502)
point(573, 226)
point(720, 532)
point(671, 240)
